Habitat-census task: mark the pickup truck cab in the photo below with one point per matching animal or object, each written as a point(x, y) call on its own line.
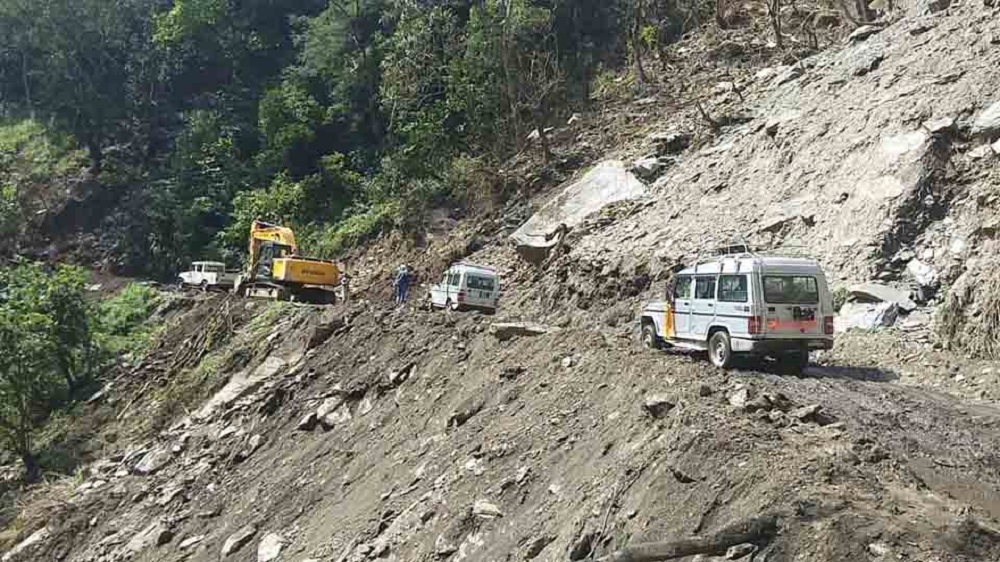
point(208, 275)
point(467, 286)
point(744, 304)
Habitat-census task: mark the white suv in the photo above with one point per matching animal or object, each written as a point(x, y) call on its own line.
point(207, 275)
point(467, 286)
point(744, 304)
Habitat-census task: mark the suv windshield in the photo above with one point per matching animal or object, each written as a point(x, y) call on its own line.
point(790, 289)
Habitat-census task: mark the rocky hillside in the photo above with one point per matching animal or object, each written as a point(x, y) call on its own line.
point(289, 433)
point(361, 433)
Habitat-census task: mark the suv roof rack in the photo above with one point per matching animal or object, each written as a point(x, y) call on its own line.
point(741, 248)
point(476, 265)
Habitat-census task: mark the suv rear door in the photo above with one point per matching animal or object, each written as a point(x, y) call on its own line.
point(733, 306)
point(703, 305)
point(480, 288)
point(792, 305)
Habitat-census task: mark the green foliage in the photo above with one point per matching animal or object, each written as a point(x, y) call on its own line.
point(186, 18)
point(337, 117)
point(9, 211)
point(122, 321)
point(358, 227)
point(840, 295)
point(31, 154)
point(52, 342)
point(30, 158)
point(45, 348)
point(82, 62)
point(29, 383)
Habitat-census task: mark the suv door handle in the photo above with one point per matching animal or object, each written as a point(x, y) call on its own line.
point(710, 305)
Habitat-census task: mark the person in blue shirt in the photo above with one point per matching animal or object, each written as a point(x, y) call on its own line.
point(401, 283)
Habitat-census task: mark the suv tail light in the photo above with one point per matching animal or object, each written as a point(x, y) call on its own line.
point(828, 325)
point(754, 325)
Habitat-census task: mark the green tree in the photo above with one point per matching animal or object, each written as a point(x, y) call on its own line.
point(45, 349)
point(29, 383)
point(79, 62)
point(58, 296)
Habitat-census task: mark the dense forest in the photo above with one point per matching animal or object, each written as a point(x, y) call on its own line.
point(338, 117)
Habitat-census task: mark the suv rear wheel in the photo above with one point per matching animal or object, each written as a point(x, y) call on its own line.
point(720, 351)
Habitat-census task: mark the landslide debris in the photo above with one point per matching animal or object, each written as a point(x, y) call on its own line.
point(440, 453)
point(358, 432)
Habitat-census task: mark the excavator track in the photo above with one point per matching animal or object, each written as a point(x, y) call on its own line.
point(305, 294)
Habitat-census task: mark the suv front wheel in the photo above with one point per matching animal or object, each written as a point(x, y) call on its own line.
point(720, 351)
point(649, 339)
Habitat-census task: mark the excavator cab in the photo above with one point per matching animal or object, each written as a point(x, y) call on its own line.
point(267, 253)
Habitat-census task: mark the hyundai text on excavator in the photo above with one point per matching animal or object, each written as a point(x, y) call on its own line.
point(276, 271)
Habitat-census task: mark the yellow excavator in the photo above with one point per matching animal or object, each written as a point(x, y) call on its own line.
point(276, 271)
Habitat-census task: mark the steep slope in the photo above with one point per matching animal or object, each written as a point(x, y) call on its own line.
point(438, 440)
point(294, 433)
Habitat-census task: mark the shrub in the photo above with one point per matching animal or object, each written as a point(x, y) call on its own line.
point(122, 321)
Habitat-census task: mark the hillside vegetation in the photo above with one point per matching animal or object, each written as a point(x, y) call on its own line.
point(585, 150)
point(339, 117)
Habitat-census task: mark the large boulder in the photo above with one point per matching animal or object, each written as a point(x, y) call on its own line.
point(866, 316)
point(156, 534)
point(606, 183)
point(238, 539)
point(873, 293)
point(987, 123)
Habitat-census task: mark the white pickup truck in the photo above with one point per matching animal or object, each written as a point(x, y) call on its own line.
point(208, 275)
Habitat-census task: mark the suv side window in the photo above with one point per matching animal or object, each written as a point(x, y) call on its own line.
point(704, 288)
point(682, 287)
point(733, 288)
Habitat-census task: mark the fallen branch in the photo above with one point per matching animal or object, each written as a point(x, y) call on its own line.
point(712, 123)
point(756, 530)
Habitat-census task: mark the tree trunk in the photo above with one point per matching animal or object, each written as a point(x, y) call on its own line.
point(27, 86)
point(507, 61)
point(720, 14)
point(96, 155)
point(774, 10)
point(755, 531)
point(32, 471)
point(543, 138)
point(22, 446)
point(640, 70)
